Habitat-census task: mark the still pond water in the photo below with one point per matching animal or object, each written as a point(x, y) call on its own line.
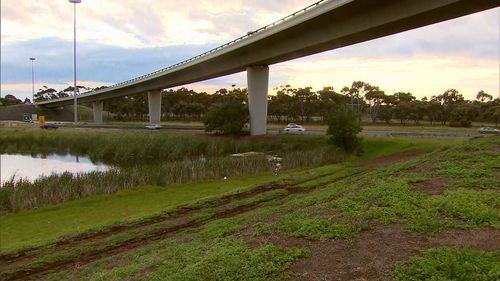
point(32, 167)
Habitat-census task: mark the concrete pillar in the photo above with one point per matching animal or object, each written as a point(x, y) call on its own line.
point(97, 109)
point(258, 83)
point(154, 102)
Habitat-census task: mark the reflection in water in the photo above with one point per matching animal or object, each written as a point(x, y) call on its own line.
point(34, 166)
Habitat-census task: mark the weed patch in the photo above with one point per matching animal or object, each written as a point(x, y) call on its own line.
point(395, 202)
point(451, 264)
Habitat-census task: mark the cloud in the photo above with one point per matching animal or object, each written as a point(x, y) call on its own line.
point(119, 40)
point(95, 62)
point(134, 23)
point(421, 75)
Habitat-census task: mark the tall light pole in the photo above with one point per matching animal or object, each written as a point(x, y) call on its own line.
point(74, 58)
point(32, 81)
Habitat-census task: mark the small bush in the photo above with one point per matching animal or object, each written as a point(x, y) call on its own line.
point(343, 129)
point(226, 118)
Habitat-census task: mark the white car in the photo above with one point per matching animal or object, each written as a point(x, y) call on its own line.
point(153, 126)
point(293, 128)
point(488, 130)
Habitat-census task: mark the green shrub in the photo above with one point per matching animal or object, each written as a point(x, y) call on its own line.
point(227, 118)
point(343, 129)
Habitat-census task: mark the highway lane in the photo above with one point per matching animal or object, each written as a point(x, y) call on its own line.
point(197, 130)
point(316, 132)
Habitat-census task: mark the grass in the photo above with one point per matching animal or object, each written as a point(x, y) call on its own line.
point(316, 228)
point(210, 254)
point(54, 221)
point(451, 264)
point(378, 147)
point(393, 199)
point(395, 202)
point(387, 195)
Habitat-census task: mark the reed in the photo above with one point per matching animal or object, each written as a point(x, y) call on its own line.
point(17, 195)
point(128, 149)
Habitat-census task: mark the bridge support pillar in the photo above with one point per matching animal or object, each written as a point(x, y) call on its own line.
point(154, 102)
point(258, 83)
point(97, 109)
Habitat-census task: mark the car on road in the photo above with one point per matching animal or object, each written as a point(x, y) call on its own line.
point(488, 130)
point(49, 126)
point(154, 126)
point(293, 128)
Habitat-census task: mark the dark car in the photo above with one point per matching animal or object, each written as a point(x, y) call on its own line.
point(49, 126)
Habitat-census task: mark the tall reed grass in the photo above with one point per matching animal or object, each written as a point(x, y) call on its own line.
point(128, 149)
point(20, 194)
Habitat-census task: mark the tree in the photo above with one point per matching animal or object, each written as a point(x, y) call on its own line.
point(493, 114)
point(195, 109)
point(385, 113)
point(306, 102)
point(226, 118)
point(483, 96)
point(343, 129)
point(276, 108)
point(404, 97)
point(417, 111)
point(10, 100)
point(375, 98)
point(448, 100)
point(402, 111)
point(287, 103)
point(433, 111)
point(328, 100)
point(462, 115)
point(45, 93)
point(179, 109)
point(355, 94)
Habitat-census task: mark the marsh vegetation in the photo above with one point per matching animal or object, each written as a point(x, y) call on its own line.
point(148, 159)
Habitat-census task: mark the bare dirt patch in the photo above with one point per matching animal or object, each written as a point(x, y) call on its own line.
point(391, 159)
point(435, 186)
point(422, 168)
point(372, 254)
point(496, 148)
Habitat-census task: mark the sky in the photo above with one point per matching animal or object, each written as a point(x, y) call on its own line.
point(121, 39)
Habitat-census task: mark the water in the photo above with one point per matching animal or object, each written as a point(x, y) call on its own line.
point(32, 167)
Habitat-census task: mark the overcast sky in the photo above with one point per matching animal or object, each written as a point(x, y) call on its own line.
point(119, 40)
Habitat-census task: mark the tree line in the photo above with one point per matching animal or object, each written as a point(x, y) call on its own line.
point(305, 105)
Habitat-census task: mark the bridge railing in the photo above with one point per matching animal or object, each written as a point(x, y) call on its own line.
point(249, 34)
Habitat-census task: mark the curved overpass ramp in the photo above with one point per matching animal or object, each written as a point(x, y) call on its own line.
point(323, 26)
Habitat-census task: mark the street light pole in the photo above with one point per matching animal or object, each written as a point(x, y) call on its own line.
point(32, 81)
point(74, 58)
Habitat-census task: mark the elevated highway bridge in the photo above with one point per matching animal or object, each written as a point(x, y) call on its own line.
point(322, 26)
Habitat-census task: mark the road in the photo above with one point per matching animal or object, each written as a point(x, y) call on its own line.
point(197, 130)
point(317, 132)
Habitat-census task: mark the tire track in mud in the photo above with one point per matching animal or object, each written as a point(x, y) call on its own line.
point(25, 272)
point(120, 228)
